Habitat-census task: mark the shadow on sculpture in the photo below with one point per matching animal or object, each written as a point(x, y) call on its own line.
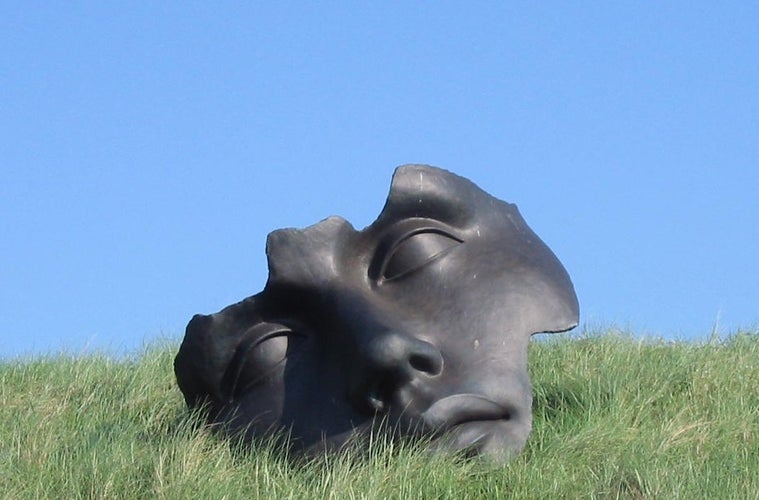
point(420, 321)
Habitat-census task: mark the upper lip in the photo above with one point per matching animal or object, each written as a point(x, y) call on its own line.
point(459, 408)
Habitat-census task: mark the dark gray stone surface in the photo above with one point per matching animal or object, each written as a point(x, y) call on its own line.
point(420, 321)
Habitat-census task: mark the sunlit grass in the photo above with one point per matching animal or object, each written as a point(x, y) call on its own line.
point(615, 417)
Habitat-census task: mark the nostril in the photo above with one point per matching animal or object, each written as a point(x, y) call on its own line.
point(376, 402)
point(392, 362)
point(426, 358)
point(424, 364)
point(373, 398)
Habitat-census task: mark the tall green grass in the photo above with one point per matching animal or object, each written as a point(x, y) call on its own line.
point(615, 417)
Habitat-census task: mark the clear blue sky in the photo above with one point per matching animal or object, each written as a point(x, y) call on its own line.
point(147, 148)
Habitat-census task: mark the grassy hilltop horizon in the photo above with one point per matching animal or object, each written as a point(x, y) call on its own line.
point(614, 417)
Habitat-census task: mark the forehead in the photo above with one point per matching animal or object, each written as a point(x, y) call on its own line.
point(317, 254)
point(517, 273)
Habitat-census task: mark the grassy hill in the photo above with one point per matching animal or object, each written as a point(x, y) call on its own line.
point(615, 417)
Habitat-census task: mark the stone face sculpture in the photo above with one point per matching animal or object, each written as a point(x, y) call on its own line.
point(417, 324)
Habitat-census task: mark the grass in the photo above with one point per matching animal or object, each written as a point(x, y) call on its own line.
point(615, 417)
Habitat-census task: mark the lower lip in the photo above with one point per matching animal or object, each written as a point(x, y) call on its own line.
point(468, 435)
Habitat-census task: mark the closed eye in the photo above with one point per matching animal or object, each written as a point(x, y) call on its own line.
point(416, 250)
point(264, 348)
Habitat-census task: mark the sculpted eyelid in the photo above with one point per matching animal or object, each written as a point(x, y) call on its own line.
point(251, 341)
point(271, 335)
point(406, 254)
point(267, 331)
point(426, 230)
point(409, 227)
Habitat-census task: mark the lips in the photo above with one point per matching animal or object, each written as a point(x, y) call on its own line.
point(461, 408)
point(471, 423)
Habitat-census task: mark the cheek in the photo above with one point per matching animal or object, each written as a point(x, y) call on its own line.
point(316, 403)
point(479, 333)
point(264, 404)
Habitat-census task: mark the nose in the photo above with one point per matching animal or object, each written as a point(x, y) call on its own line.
point(403, 355)
point(391, 361)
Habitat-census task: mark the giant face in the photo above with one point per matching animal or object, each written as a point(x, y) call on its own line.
point(417, 325)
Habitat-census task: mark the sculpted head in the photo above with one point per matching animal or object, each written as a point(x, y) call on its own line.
point(420, 322)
